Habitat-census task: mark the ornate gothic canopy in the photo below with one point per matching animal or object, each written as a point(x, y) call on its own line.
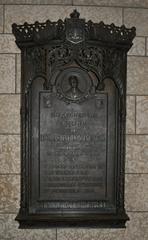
point(74, 30)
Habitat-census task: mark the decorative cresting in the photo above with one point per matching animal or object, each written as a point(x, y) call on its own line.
point(78, 65)
point(74, 30)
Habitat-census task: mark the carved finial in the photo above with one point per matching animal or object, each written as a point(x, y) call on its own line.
point(75, 14)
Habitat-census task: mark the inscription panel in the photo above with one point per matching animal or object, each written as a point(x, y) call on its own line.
point(73, 143)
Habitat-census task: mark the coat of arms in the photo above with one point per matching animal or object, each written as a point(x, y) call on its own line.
point(75, 28)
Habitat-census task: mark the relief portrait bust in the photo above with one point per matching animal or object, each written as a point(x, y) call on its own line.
point(73, 92)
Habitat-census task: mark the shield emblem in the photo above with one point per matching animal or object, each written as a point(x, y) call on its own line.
point(75, 30)
point(47, 101)
point(99, 103)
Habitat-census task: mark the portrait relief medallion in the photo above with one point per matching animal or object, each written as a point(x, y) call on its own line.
point(73, 84)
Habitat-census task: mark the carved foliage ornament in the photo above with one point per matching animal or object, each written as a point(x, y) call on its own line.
point(74, 33)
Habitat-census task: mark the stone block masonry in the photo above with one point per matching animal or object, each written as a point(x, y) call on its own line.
point(130, 13)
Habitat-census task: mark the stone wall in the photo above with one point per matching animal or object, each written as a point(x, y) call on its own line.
point(129, 12)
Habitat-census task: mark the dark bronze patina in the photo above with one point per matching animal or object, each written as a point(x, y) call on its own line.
point(73, 111)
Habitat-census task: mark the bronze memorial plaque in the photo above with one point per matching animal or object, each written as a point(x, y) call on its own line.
point(73, 112)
